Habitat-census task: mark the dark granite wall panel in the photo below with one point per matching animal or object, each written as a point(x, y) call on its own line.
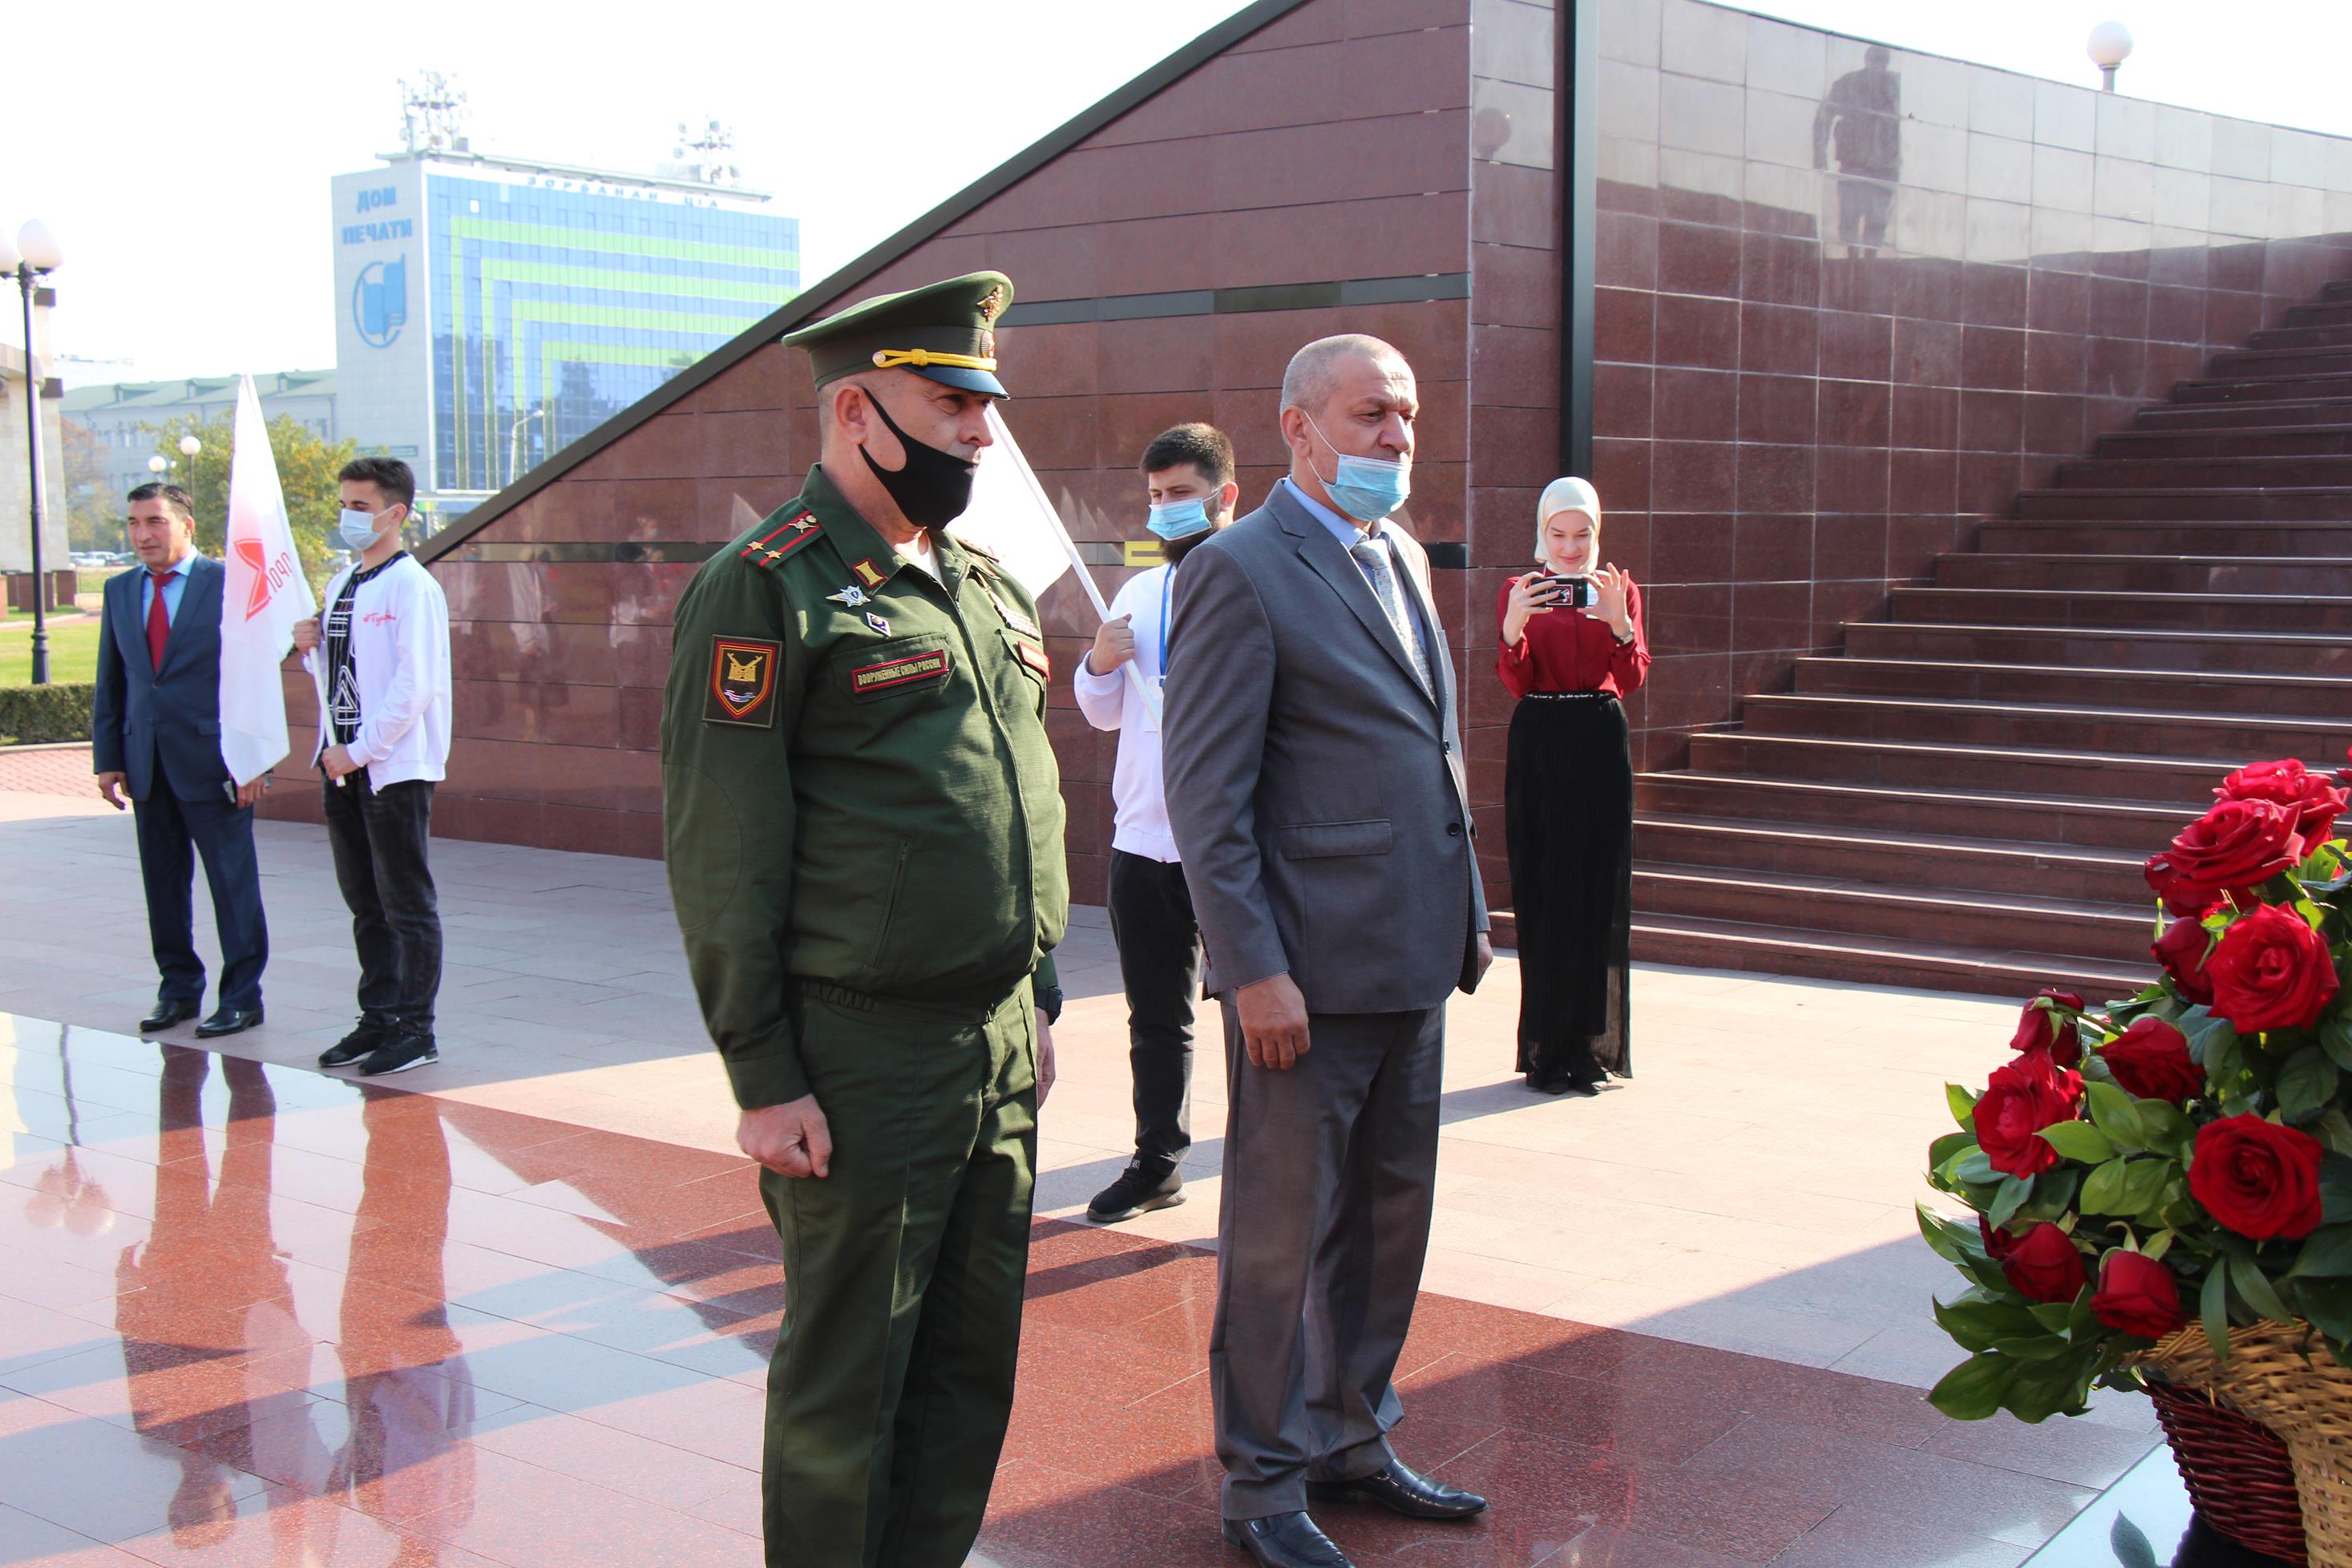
point(1850, 306)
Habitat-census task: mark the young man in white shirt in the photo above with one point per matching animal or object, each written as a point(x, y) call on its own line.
point(384, 743)
point(1188, 474)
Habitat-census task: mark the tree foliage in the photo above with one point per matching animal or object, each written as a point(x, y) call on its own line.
point(93, 512)
point(307, 467)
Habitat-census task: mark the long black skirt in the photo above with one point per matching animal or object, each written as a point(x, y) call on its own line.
point(1569, 812)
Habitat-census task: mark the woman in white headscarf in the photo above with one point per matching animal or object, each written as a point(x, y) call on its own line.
point(1568, 794)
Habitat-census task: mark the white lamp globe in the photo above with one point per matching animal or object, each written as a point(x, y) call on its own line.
point(2110, 44)
point(39, 247)
point(156, 465)
point(190, 446)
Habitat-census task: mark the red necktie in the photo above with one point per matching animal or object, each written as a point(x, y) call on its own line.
point(159, 621)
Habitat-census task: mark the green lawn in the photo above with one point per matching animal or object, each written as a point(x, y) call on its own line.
point(73, 648)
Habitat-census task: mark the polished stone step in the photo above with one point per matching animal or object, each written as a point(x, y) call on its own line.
point(1965, 918)
point(2190, 502)
point(2120, 573)
point(2281, 388)
point(2259, 363)
point(1893, 857)
point(2184, 472)
point(2287, 697)
point(2257, 537)
point(2241, 415)
point(1955, 765)
point(2309, 331)
point(1772, 948)
point(2229, 738)
point(2333, 313)
point(2098, 607)
point(2138, 828)
point(2095, 647)
point(2311, 440)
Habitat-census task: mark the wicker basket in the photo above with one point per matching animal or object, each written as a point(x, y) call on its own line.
point(2281, 1378)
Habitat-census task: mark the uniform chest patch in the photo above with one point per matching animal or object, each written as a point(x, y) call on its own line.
point(743, 685)
point(1032, 656)
point(930, 665)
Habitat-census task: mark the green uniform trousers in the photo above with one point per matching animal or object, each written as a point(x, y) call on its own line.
point(892, 1382)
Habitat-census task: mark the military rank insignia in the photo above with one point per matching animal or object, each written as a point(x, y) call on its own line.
point(782, 540)
point(742, 682)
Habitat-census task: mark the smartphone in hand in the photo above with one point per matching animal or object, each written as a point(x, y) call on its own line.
point(1572, 592)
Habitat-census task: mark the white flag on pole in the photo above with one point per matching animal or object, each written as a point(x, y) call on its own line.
point(1011, 518)
point(265, 595)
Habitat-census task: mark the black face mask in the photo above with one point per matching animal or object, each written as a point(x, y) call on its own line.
point(934, 487)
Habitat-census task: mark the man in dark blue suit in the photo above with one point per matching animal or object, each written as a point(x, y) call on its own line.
point(155, 728)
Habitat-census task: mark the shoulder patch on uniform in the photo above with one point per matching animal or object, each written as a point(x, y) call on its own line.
point(782, 540)
point(743, 685)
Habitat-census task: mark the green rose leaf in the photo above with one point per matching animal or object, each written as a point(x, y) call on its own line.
point(2102, 1189)
point(2336, 1037)
point(2079, 1140)
point(2328, 1304)
point(2333, 1128)
point(2056, 1387)
point(2255, 1288)
point(1940, 1152)
point(1955, 1241)
point(2306, 1083)
point(2327, 1253)
point(2169, 1129)
point(1979, 1318)
point(2334, 1188)
point(1974, 1390)
point(1963, 1105)
point(2116, 1114)
point(1975, 1168)
point(2213, 1307)
point(2014, 1191)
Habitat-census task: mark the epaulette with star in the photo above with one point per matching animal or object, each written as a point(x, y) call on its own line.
point(782, 540)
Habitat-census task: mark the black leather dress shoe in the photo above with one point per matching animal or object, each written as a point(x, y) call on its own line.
point(1284, 1540)
point(1399, 1491)
point(169, 1010)
point(229, 1021)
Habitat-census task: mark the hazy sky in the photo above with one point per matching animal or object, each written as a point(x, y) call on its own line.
point(181, 155)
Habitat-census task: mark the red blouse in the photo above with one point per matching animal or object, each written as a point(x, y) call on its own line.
point(1569, 650)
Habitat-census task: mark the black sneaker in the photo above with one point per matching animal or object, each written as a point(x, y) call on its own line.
point(361, 1042)
point(1139, 1191)
point(399, 1053)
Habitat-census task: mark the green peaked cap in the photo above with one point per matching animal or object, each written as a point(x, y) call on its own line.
point(943, 331)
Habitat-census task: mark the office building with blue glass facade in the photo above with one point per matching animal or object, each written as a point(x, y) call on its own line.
point(492, 309)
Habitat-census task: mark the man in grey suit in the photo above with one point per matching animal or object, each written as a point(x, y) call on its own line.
point(1315, 786)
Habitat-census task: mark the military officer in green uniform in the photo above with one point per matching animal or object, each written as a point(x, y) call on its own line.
point(864, 832)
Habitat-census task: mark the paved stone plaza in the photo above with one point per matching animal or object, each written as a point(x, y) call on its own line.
point(1682, 1324)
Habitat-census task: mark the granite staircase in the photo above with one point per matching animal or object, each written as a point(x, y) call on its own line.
point(1963, 798)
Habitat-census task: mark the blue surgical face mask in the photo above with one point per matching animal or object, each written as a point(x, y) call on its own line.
point(358, 530)
point(1368, 489)
point(1180, 519)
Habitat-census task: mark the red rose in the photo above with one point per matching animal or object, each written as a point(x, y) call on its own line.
point(2315, 803)
point(2151, 1059)
point(2023, 1097)
point(2181, 950)
point(2238, 843)
point(2260, 1179)
point(1997, 1241)
point(2270, 972)
point(2040, 1029)
point(2045, 1266)
point(2137, 1295)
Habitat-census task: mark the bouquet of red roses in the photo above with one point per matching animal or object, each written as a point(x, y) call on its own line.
point(2183, 1155)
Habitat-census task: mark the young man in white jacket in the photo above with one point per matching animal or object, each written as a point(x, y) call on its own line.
point(381, 650)
point(1188, 474)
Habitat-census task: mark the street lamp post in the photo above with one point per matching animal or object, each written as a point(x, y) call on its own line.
point(35, 254)
point(2110, 44)
point(514, 441)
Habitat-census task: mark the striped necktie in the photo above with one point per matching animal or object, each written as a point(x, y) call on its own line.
point(1373, 557)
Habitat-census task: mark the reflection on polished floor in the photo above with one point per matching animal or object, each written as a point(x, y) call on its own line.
point(250, 1315)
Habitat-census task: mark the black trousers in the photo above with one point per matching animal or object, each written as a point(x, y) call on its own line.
point(172, 834)
point(378, 839)
point(1159, 965)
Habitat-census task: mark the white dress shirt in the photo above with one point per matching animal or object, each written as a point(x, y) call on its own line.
point(1113, 701)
